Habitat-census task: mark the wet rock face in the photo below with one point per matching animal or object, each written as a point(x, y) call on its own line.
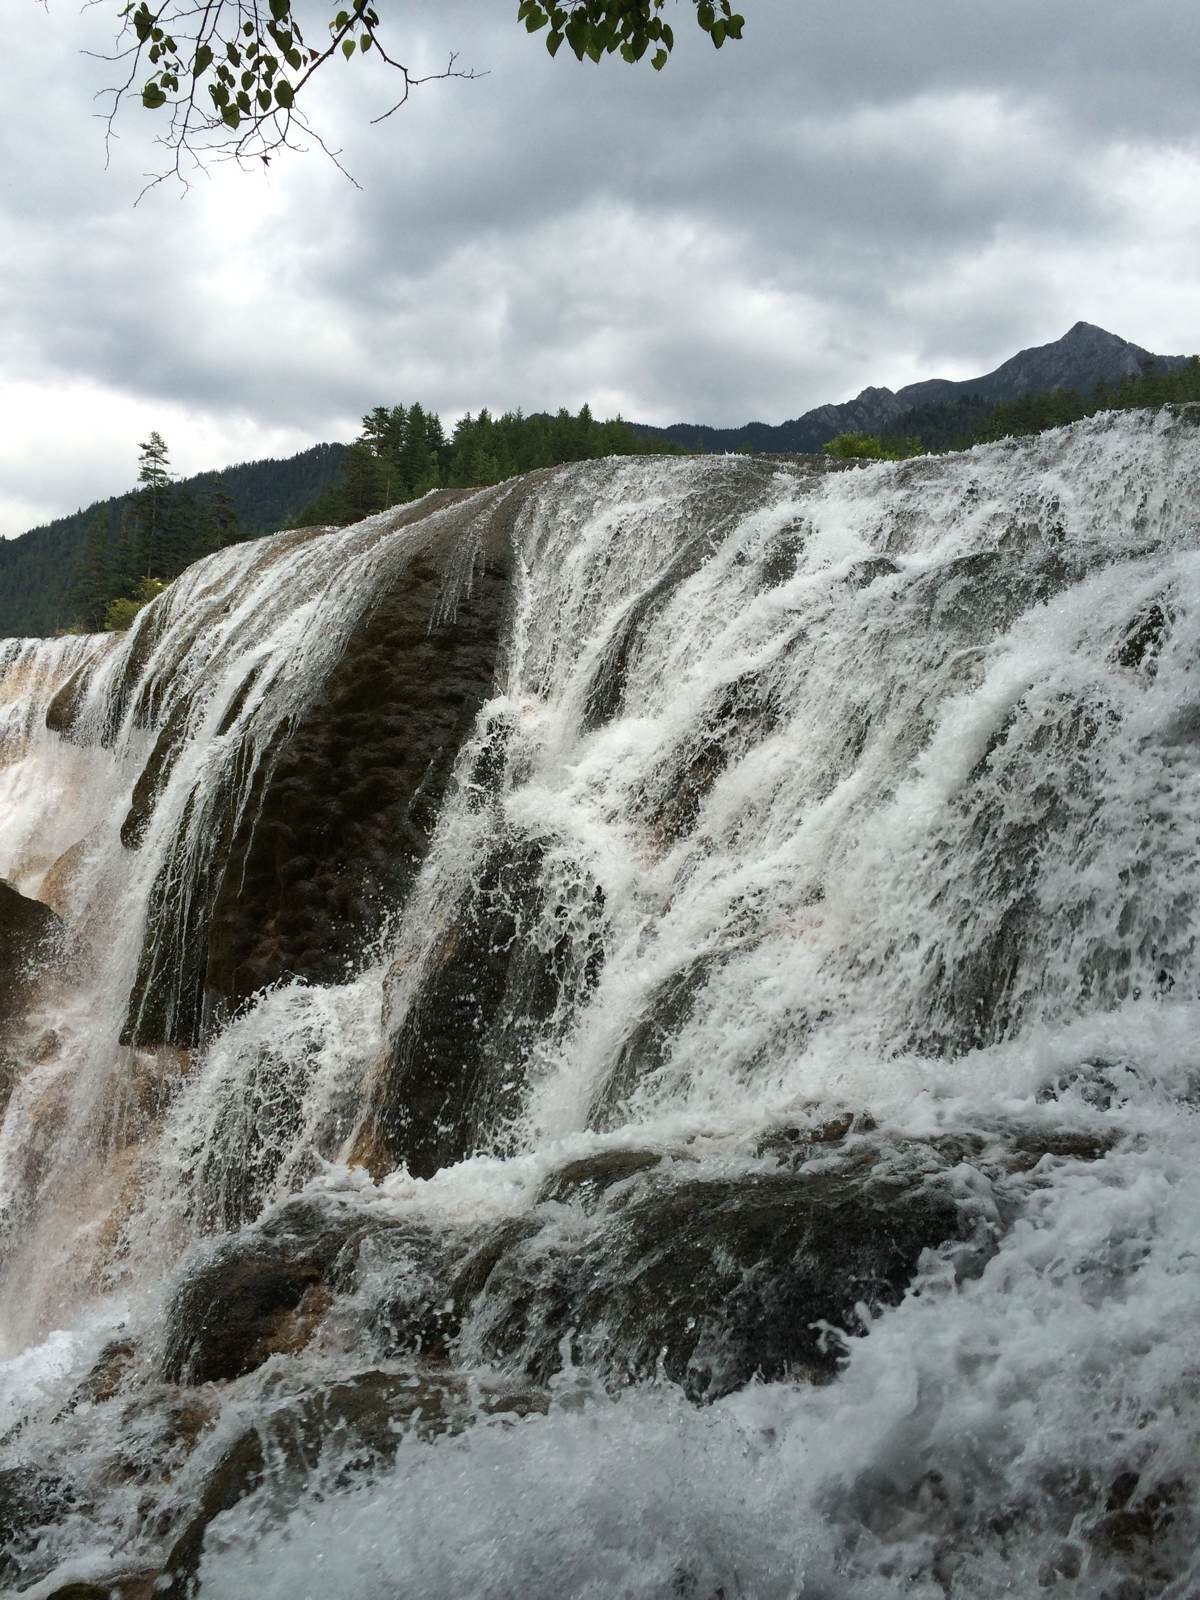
point(27, 933)
point(366, 1416)
point(342, 809)
point(455, 1072)
point(651, 1261)
point(259, 1292)
point(347, 815)
point(31, 1500)
point(647, 1045)
point(716, 1280)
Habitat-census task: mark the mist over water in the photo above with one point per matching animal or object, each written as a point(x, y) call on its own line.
point(720, 1123)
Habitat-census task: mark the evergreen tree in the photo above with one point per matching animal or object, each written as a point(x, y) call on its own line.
point(363, 486)
point(419, 466)
point(95, 575)
point(219, 522)
point(154, 476)
point(130, 555)
point(182, 539)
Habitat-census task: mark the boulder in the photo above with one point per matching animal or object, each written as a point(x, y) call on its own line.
point(363, 1417)
point(28, 938)
point(27, 934)
point(714, 1280)
point(256, 1293)
point(32, 1501)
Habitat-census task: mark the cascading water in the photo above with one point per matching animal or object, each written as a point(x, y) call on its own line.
point(627, 1034)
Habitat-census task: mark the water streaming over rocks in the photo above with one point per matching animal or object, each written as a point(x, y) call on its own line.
point(627, 1034)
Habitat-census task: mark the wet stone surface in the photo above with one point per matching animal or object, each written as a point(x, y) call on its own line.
point(713, 1281)
point(454, 1074)
point(300, 867)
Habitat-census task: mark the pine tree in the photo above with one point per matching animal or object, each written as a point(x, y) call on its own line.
point(182, 540)
point(218, 523)
point(418, 460)
point(95, 578)
point(154, 476)
point(362, 491)
point(129, 555)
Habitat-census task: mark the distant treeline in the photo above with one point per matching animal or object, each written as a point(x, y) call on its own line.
point(403, 452)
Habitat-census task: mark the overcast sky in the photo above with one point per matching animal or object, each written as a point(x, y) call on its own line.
point(857, 193)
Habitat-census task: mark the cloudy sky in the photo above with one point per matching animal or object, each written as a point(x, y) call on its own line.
point(857, 193)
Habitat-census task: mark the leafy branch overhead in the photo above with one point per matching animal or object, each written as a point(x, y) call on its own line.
point(230, 74)
point(596, 28)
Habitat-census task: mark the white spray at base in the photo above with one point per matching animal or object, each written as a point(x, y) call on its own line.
point(879, 791)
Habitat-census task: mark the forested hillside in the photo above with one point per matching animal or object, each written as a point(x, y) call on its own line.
point(41, 573)
point(403, 452)
point(92, 569)
point(88, 570)
point(968, 419)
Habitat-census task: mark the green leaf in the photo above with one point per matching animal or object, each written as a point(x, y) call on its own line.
point(576, 32)
point(705, 15)
point(365, 42)
point(243, 101)
point(264, 97)
point(284, 94)
point(553, 40)
point(348, 48)
point(280, 9)
point(203, 60)
point(231, 116)
point(153, 97)
point(295, 60)
point(659, 60)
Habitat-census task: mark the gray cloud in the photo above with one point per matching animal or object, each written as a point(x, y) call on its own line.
point(854, 194)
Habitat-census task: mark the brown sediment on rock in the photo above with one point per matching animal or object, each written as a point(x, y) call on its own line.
point(58, 885)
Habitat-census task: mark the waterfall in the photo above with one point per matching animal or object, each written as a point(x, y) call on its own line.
point(631, 1032)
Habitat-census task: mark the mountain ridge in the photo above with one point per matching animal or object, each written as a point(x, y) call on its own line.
point(1083, 357)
